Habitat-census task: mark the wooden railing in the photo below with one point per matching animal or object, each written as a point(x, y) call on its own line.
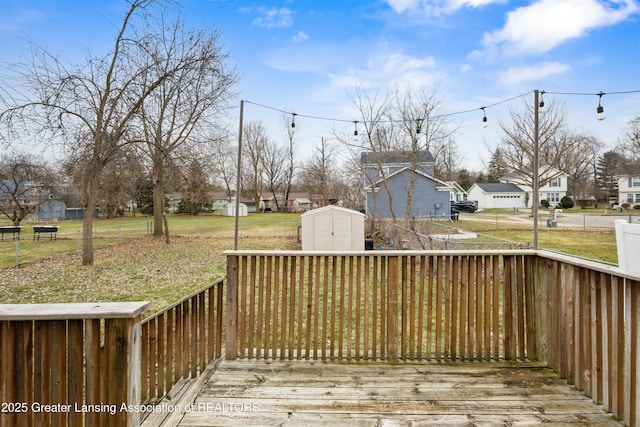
point(385, 305)
point(180, 341)
point(580, 317)
point(592, 335)
point(70, 364)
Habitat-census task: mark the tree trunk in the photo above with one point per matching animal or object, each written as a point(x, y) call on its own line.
point(87, 233)
point(89, 193)
point(158, 197)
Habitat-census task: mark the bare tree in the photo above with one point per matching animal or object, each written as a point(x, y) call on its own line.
point(518, 141)
point(630, 143)
point(274, 166)
point(255, 142)
point(407, 121)
point(198, 89)
point(24, 180)
point(223, 158)
point(94, 106)
point(319, 171)
point(373, 110)
point(419, 114)
point(193, 183)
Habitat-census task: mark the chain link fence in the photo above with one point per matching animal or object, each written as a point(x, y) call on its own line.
point(423, 234)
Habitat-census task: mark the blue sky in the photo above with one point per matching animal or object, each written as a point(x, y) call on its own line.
point(306, 56)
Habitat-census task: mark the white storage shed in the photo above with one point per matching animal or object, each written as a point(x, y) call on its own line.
point(332, 228)
point(230, 209)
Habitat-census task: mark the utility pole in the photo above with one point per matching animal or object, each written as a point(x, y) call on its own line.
point(536, 172)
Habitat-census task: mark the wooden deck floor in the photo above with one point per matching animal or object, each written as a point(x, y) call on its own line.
point(303, 393)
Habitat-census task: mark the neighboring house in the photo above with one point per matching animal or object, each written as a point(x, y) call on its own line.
point(172, 201)
point(457, 193)
point(51, 208)
point(629, 189)
point(553, 191)
point(298, 202)
point(498, 195)
point(219, 200)
point(430, 196)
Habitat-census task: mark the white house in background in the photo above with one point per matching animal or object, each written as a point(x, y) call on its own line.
point(456, 192)
point(498, 195)
point(553, 190)
point(629, 189)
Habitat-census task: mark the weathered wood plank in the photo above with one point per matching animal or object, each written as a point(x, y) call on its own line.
point(66, 311)
point(251, 392)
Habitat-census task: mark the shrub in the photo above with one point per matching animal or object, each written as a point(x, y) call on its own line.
point(566, 202)
point(545, 203)
point(636, 206)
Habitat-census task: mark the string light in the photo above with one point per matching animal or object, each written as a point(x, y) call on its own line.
point(600, 109)
point(541, 105)
point(355, 130)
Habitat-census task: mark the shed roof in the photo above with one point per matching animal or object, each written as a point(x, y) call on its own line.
point(330, 208)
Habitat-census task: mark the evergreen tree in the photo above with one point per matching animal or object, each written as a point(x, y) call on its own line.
point(496, 169)
point(464, 179)
point(606, 177)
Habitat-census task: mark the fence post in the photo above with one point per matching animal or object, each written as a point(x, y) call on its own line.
point(392, 309)
point(41, 346)
point(17, 250)
point(231, 340)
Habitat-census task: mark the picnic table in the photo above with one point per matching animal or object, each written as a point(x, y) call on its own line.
point(52, 230)
point(14, 230)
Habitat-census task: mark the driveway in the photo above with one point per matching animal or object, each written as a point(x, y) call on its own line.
point(564, 219)
point(603, 221)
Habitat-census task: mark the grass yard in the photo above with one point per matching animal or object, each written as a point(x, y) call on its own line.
point(134, 269)
point(130, 266)
point(594, 243)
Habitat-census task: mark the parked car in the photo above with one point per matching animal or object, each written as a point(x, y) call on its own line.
point(465, 206)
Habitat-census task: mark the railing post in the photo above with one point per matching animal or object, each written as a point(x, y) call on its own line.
point(231, 340)
point(392, 309)
point(43, 363)
point(122, 347)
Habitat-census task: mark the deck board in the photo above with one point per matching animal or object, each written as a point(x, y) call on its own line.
point(258, 392)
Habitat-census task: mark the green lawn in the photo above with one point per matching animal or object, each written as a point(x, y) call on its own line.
point(130, 266)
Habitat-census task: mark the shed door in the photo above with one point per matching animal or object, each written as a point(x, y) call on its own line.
point(332, 232)
point(323, 231)
point(342, 232)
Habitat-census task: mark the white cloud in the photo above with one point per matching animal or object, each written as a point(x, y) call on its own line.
point(274, 17)
point(515, 75)
point(300, 37)
point(387, 69)
point(437, 7)
point(545, 24)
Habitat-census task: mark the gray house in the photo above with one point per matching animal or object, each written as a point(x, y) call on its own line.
point(430, 196)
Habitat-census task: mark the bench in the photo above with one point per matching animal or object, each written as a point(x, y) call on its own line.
point(14, 230)
point(52, 230)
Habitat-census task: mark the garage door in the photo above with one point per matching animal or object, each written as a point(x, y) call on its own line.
point(507, 201)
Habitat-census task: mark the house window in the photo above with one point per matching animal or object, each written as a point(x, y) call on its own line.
point(553, 197)
point(637, 200)
point(634, 181)
point(556, 182)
